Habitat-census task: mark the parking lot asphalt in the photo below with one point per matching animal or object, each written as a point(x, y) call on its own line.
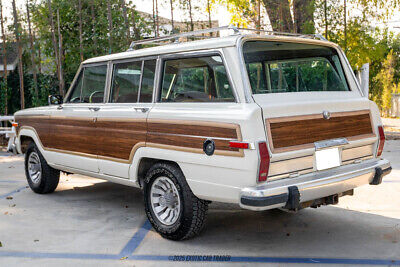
point(90, 222)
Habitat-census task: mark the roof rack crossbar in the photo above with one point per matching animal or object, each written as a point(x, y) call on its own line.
point(235, 29)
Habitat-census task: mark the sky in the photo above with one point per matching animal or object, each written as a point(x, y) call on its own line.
point(220, 13)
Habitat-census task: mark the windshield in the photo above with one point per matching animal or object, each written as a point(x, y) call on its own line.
point(279, 67)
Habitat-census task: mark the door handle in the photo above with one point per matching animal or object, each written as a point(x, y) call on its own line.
point(144, 110)
point(94, 109)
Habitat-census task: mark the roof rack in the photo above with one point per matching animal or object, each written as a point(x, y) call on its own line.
point(236, 30)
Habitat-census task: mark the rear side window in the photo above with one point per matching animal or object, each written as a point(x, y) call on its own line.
point(133, 82)
point(125, 82)
point(90, 85)
point(275, 67)
point(199, 79)
point(146, 91)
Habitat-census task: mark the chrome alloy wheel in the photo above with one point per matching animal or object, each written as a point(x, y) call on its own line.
point(165, 200)
point(34, 168)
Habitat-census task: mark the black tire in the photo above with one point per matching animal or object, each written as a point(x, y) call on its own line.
point(193, 211)
point(50, 177)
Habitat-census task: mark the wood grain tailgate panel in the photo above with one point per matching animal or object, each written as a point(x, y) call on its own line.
point(290, 133)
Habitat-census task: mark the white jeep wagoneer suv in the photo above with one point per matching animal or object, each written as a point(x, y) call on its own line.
point(259, 120)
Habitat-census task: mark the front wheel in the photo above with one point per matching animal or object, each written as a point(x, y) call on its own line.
point(42, 178)
point(171, 207)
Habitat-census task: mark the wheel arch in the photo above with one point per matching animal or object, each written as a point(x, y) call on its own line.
point(25, 136)
point(145, 163)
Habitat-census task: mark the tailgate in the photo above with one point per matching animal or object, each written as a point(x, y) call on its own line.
point(308, 94)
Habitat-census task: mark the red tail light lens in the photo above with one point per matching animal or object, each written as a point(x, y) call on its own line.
point(264, 162)
point(381, 141)
point(234, 144)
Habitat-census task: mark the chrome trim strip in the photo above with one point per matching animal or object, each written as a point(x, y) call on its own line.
point(337, 142)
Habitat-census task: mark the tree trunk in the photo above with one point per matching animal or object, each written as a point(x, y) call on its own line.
point(303, 11)
point(326, 20)
point(110, 26)
point(93, 26)
point(172, 15)
point(191, 15)
point(20, 67)
point(4, 59)
point(127, 28)
point(80, 29)
point(60, 49)
point(279, 15)
point(136, 31)
point(33, 59)
point(157, 22)
point(209, 14)
point(39, 53)
point(258, 26)
point(54, 41)
point(345, 26)
point(154, 19)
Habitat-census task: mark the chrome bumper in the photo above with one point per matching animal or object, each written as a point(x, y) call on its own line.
point(280, 193)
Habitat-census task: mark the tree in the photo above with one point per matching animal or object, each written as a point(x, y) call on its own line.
point(80, 29)
point(53, 39)
point(110, 27)
point(171, 2)
point(4, 59)
point(19, 45)
point(33, 59)
point(279, 15)
point(124, 13)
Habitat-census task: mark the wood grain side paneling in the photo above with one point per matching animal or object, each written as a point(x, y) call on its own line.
point(39, 123)
point(118, 138)
point(73, 134)
point(193, 128)
point(292, 133)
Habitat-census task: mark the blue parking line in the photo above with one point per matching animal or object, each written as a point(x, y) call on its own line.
point(135, 241)
point(12, 192)
point(8, 181)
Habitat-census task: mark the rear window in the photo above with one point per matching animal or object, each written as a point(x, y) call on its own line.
point(278, 67)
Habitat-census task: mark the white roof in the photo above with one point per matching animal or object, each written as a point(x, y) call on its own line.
point(211, 43)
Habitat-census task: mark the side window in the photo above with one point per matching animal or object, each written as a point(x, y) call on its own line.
point(146, 91)
point(125, 82)
point(75, 96)
point(89, 87)
point(200, 79)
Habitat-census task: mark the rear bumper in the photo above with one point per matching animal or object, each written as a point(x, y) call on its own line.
point(292, 191)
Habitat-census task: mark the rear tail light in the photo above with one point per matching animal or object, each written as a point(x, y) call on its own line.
point(264, 162)
point(381, 141)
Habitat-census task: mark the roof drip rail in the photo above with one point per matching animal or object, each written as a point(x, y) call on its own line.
point(175, 38)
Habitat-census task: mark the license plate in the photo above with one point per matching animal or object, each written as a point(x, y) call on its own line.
point(327, 158)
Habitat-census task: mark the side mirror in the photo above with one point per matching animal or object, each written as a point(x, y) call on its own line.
point(55, 100)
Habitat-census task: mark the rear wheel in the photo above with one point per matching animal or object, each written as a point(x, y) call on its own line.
point(42, 178)
point(171, 207)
